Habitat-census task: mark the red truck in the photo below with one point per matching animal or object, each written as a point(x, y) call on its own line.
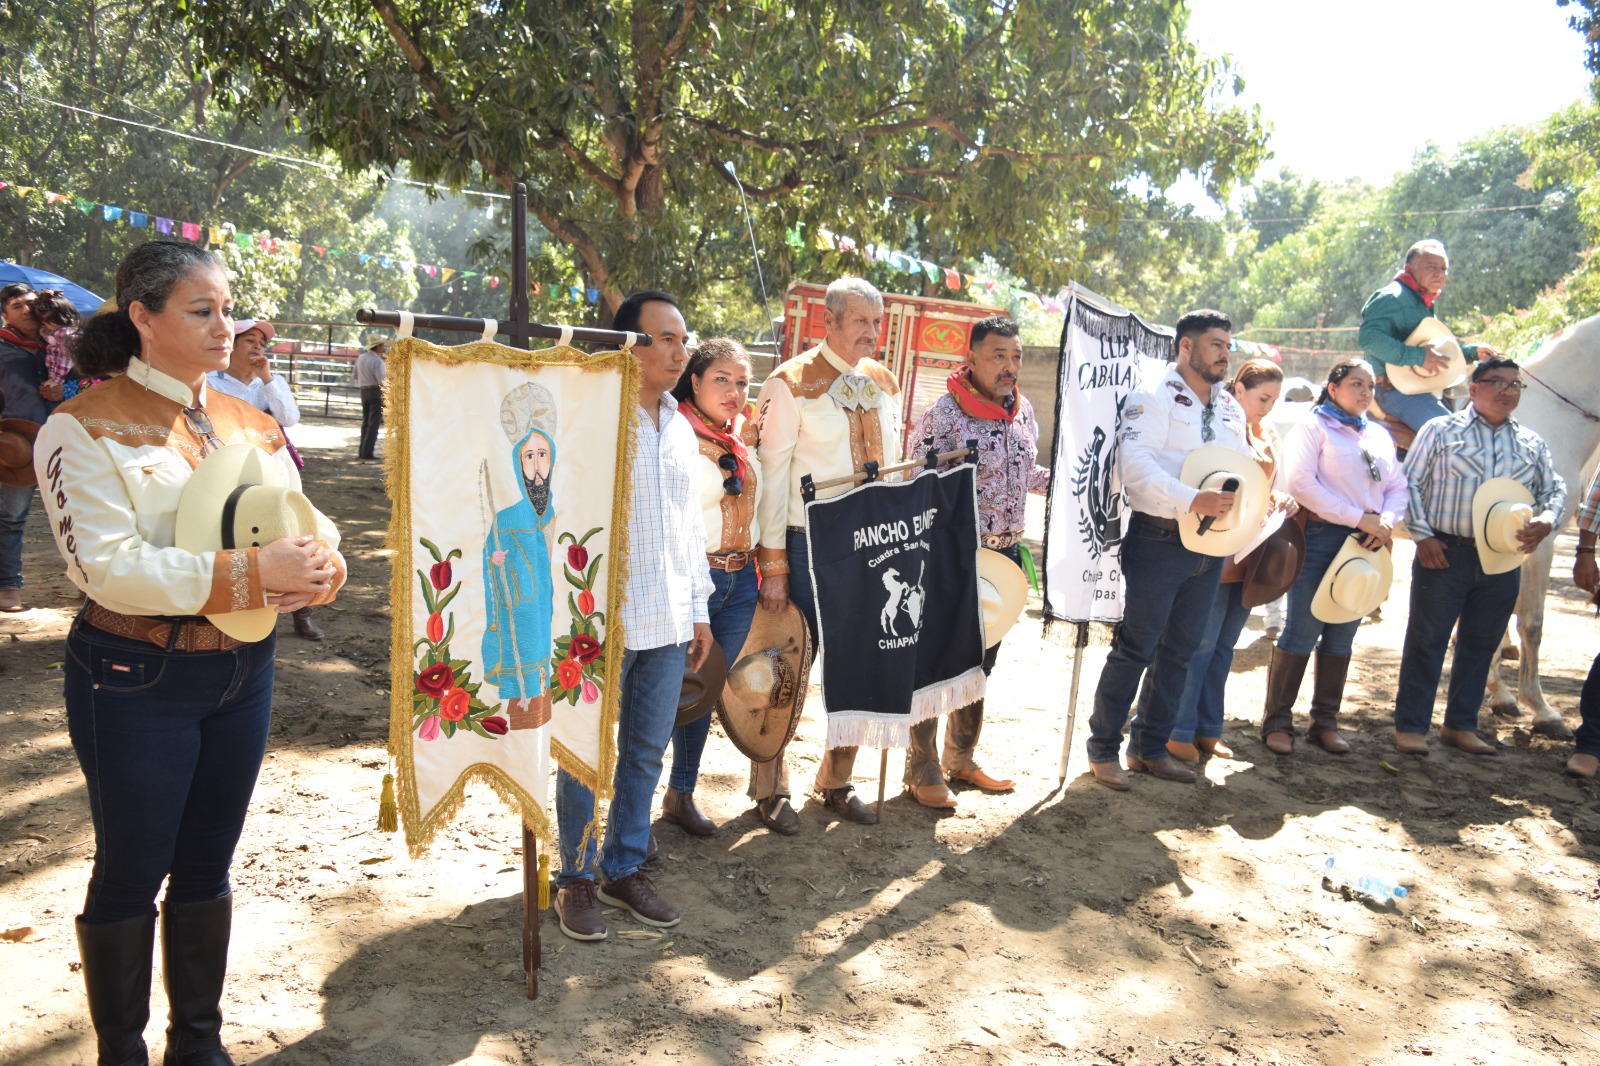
point(924, 339)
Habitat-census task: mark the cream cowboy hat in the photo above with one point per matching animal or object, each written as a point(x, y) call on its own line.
point(766, 685)
point(1413, 380)
point(1354, 584)
point(1210, 467)
point(1002, 594)
point(1500, 508)
point(236, 498)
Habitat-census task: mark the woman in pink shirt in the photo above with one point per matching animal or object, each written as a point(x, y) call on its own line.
point(1344, 473)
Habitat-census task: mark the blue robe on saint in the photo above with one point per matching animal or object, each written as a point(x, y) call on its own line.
point(518, 593)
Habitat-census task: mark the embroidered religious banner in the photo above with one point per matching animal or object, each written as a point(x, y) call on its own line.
point(508, 475)
point(1105, 351)
point(895, 569)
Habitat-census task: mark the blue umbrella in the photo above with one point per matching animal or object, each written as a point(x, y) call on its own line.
point(85, 301)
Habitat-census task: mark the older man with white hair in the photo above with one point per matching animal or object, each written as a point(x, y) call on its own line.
point(828, 413)
point(1392, 314)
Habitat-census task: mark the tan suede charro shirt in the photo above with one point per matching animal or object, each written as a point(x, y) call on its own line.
point(112, 463)
point(819, 416)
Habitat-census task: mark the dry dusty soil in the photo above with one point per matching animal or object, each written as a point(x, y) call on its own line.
point(1172, 924)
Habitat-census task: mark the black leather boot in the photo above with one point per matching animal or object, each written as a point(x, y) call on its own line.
point(116, 974)
point(194, 963)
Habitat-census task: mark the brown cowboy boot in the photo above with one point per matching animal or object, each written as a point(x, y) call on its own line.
point(1326, 696)
point(1284, 675)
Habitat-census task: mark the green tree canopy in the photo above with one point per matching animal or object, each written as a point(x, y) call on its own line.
point(1000, 126)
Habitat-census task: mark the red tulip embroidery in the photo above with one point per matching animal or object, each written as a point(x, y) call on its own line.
point(446, 701)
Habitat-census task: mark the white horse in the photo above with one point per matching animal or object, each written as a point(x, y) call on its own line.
point(1562, 404)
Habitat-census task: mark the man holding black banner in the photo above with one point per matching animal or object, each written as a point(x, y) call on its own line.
point(828, 412)
point(983, 404)
point(1170, 589)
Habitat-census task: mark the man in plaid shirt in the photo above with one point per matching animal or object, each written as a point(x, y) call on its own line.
point(1451, 458)
point(1585, 575)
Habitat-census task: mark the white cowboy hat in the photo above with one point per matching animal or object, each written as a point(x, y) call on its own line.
point(1354, 584)
point(1211, 467)
point(1500, 508)
point(1002, 594)
point(236, 498)
point(1413, 380)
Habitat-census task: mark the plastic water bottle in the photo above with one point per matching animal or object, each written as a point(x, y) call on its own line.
point(1366, 884)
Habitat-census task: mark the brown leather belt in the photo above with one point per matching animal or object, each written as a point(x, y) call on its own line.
point(193, 634)
point(732, 562)
point(1000, 541)
point(1168, 524)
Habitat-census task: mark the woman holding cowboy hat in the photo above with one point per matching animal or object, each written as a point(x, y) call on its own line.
point(1198, 727)
point(711, 396)
point(1345, 475)
point(186, 561)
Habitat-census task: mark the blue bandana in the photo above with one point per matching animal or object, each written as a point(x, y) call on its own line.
point(1340, 415)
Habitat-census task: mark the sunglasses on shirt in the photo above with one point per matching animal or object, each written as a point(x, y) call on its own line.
point(733, 484)
point(200, 422)
point(1372, 465)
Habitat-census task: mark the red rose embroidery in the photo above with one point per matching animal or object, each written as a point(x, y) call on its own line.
point(436, 680)
point(455, 705)
point(577, 556)
point(495, 724)
point(569, 673)
point(439, 574)
point(585, 649)
point(586, 602)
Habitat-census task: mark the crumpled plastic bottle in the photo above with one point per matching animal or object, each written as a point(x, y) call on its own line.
point(1346, 878)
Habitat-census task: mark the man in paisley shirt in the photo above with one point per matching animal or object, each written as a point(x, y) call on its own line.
point(984, 404)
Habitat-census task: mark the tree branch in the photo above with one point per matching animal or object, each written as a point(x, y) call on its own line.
point(560, 142)
point(419, 63)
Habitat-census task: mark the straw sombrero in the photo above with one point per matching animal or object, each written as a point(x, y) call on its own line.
point(766, 685)
point(1002, 594)
point(1413, 380)
point(1500, 508)
point(1210, 467)
point(1354, 584)
point(236, 499)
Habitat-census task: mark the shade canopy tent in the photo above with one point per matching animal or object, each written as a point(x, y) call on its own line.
point(85, 301)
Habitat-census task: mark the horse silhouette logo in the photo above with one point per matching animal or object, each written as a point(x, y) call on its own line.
point(1100, 521)
point(903, 596)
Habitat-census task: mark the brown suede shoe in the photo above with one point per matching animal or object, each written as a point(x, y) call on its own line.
point(636, 895)
point(1111, 775)
point(1279, 743)
point(847, 805)
point(1411, 743)
point(1164, 767)
point(1183, 752)
point(579, 912)
point(976, 778)
point(10, 600)
point(1467, 741)
point(777, 815)
point(1331, 741)
point(1581, 765)
point(679, 809)
point(304, 626)
point(937, 796)
point(1214, 747)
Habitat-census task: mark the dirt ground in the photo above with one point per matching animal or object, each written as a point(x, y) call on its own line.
point(1172, 924)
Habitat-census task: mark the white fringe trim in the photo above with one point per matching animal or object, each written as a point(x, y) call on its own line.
point(870, 729)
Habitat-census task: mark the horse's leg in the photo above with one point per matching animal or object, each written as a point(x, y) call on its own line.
point(1502, 700)
point(1530, 625)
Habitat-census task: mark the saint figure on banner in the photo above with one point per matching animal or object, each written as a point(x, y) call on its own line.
point(516, 565)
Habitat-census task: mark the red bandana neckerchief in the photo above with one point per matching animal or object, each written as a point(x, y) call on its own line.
point(1405, 278)
point(725, 437)
point(974, 403)
point(9, 334)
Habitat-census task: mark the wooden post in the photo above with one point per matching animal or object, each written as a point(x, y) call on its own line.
point(1080, 642)
point(532, 946)
point(883, 775)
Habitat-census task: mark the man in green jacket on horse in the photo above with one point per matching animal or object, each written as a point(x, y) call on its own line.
point(1392, 315)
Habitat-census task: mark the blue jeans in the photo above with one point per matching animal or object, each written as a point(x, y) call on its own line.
point(1304, 632)
point(1588, 735)
point(733, 605)
point(651, 681)
point(14, 503)
point(1170, 591)
point(1415, 411)
point(800, 590)
point(1200, 712)
point(170, 744)
point(1483, 603)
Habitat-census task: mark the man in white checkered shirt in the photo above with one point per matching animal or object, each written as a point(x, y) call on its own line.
point(664, 618)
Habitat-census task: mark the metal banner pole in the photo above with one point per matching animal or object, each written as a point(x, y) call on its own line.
point(1079, 643)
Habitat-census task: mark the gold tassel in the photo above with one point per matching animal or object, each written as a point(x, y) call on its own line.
point(544, 882)
point(388, 810)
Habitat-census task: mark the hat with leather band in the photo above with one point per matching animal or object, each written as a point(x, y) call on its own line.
point(1414, 380)
point(1212, 467)
point(1355, 583)
point(766, 685)
point(1500, 509)
point(236, 498)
